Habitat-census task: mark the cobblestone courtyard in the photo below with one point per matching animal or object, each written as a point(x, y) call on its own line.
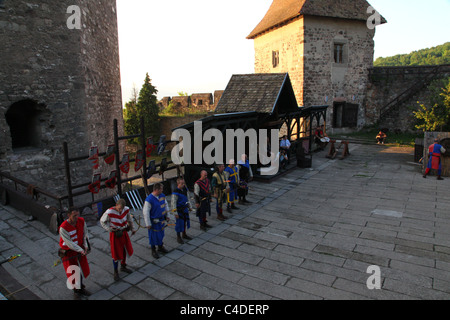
point(311, 234)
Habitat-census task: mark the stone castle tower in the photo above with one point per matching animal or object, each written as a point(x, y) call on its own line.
point(326, 47)
point(59, 82)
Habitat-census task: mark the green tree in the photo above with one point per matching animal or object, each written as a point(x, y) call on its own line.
point(430, 56)
point(435, 114)
point(130, 117)
point(145, 106)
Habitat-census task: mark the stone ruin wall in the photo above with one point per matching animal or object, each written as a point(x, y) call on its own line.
point(203, 102)
point(72, 75)
point(386, 83)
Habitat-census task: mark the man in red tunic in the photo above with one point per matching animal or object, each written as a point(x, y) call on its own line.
point(74, 246)
point(434, 161)
point(117, 220)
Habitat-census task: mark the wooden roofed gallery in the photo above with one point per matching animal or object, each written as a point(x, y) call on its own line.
point(255, 101)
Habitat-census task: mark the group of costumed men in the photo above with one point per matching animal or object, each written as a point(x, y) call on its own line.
point(228, 184)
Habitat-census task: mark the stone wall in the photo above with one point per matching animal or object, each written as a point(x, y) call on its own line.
point(288, 42)
point(326, 81)
point(169, 123)
point(72, 78)
point(386, 83)
point(197, 102)
point(306, 51)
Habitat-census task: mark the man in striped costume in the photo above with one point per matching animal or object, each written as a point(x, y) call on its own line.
point(74, 247)
point(118, 221)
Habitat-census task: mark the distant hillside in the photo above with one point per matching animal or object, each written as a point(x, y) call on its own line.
point(431, 56)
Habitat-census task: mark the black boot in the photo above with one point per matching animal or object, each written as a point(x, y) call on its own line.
point(162, 249)
point(185, 236)
point(154, 253)
point(124, 268)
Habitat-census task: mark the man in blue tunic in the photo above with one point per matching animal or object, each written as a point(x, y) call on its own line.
point(435, 151)
point(155, 216)
point(232, 176)
point(180, 202)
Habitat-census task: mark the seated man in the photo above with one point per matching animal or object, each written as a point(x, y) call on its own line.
point(285, 145)
point(321, 138)
point(381, 137)
point(283, 159)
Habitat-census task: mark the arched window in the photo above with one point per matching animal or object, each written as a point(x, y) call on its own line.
point(24, 124)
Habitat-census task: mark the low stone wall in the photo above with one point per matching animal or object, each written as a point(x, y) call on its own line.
point(168, 123)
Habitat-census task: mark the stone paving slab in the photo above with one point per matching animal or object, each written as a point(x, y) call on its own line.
point(311, 234)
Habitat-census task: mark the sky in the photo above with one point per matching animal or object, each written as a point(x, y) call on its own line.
point(196, 46)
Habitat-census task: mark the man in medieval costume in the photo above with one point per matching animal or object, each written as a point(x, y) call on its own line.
point(435, 152)
point(180, 202)
point(202, 195)
point(118, 221)
point(155, 215)
point(232, 177)
point(74, 246)
point(245, 176)
point(220, 188)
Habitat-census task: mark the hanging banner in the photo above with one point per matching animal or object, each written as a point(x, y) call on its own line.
point(150, 146)
point(125, 165)
point(94, 187)
point(151, 169)
point(110, 154)
point(112, 180)
point(139, 162)
point(163, 166)
point(93, 157)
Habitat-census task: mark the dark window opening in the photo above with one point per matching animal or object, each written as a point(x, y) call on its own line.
point(275, 58)
point(345, 115)
point(24, 124)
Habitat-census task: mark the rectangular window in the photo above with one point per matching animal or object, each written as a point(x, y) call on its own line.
point(275, 58)
point(338, 53)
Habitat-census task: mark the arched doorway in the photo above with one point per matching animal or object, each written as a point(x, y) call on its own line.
point(23, 118)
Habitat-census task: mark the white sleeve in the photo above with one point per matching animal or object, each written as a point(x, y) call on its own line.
point(68, 242)
point(104, 221)
point(146, 213)
point(167, 206)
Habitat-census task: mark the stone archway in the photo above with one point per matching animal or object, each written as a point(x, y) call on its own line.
point(23, 118)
